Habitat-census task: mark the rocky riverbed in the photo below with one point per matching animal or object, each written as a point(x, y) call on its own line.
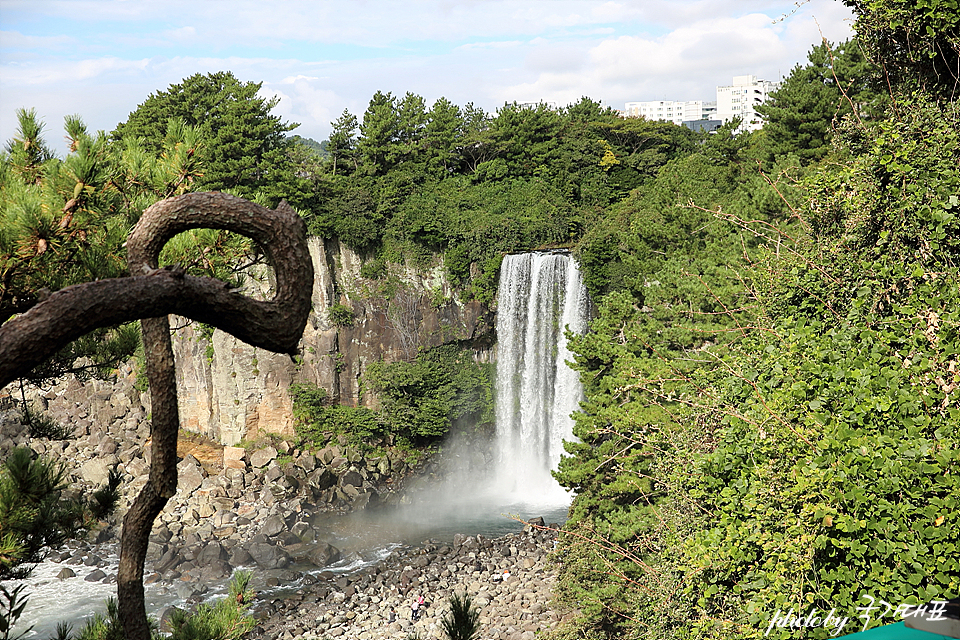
point(509, 579)
point(258, 506)
point(269, 508)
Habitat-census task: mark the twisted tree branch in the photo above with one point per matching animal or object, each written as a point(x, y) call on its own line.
point(151, 294)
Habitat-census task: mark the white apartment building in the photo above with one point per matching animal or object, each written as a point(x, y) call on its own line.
point(741, 98)
point(671, 111)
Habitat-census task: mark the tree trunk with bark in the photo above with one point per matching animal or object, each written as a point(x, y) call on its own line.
point(150, 294)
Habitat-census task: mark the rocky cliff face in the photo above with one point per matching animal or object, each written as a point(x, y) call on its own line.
point(229, 390)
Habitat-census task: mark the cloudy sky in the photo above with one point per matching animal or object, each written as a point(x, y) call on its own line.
point(101, 58)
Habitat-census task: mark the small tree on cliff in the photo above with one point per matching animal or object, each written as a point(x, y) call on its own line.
point(149, 294)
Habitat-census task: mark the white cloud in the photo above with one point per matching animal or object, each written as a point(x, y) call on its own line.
point(181, 34)
point(17, 40)
point(502, 44)
point(686, 63)
point(322, 56)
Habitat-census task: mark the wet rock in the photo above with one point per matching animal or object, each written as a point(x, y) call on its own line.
point(269, 556)
point(95, 576)
point(214, 571)
point(323, 554)
point(239, 557)
point(210, 553)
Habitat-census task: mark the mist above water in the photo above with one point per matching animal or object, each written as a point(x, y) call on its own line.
point(540, 296)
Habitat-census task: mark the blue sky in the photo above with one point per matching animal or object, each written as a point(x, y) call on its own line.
point(101, 58)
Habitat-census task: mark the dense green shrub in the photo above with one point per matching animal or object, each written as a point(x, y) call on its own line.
point(463, 620)
point(34, 518)
point(801, 455)
point(104, 499)
point(317, 419)
point(340, 315)
point(41, 425)
point(225, 620)
point(375, 269)
point(420, 400)
point(107, 626)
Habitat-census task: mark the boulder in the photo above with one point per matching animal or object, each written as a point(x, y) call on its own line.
point(269, 556)
point(95, 576)
point(239, 557)
point(322, 478)
point(323, 554)
point(210, 553)
point(351, 478)
point(95, 471)
point(216, 570)
point(190, 477)
point(262, 457)
point(273, 526)
point(233, 458)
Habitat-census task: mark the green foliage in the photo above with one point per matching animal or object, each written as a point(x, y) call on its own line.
point(105, 626)
point(463, 620)
point(27, 150)
point(420, 400)
point(915, 42)
point(225, 620)
point(104, 500)
point(802, 453)
point(12, 604)
point(318, 419)
point(375, 269)
point(340, 315)
point(899, 198)
point(66, 223)
point(670, 218)
point(42, 426)
point(342, 146)
point(416, 181)
point(33, 516)
point(800, 115)
point(244, 145)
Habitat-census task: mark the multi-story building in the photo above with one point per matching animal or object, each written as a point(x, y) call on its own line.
point(671, 111)
point(741, 99)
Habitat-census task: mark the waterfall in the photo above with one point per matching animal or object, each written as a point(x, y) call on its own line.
point(541, 294)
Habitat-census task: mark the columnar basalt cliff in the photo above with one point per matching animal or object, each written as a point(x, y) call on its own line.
point(230, 391)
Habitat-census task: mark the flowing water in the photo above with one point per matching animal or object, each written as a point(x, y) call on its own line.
point(541, 296)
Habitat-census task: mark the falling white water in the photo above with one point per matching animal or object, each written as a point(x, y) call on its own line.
point(541, 295)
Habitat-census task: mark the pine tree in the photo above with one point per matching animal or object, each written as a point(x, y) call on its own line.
point(243, 143)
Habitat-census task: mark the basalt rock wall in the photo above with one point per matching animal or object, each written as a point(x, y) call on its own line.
point(229, 390)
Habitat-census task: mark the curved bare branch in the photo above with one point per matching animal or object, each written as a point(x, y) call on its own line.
point(150, 294)
point(276, 325)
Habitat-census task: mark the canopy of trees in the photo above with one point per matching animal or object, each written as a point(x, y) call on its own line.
point(245, 144)
point(772, 372)
point(771, 416)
